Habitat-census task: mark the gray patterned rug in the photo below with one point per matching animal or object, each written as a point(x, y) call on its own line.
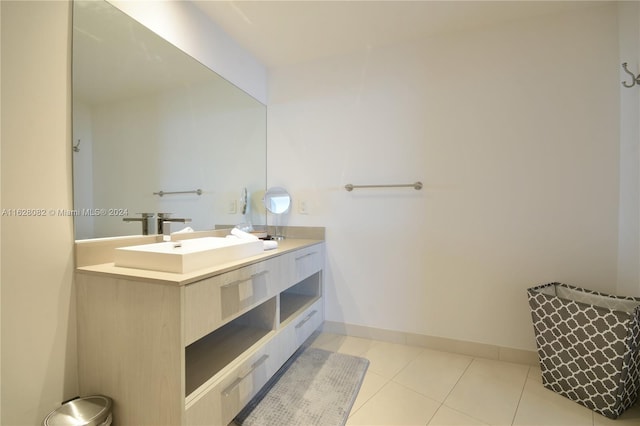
point(314, 387)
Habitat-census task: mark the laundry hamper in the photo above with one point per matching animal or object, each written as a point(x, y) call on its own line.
point(588, 345)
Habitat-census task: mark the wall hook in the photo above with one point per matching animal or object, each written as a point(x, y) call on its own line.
point(76, 147)
point(635, 79)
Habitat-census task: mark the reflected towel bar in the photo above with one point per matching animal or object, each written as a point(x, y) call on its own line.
point(161, 193)
point(417, 186)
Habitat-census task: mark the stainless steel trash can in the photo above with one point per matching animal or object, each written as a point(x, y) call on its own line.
point(88, 411)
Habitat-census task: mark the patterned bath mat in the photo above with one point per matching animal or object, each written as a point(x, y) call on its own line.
point(315, 387)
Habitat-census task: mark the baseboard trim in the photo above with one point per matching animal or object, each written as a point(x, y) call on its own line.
point(481, 350)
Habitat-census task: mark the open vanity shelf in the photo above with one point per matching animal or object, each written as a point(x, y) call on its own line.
point(196, 353)
point(298, 297)
point(209, 355)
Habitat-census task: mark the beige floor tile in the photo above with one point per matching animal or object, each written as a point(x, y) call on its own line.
point(631, 417)
point(433, 373)
point(541, 406)
point(405, 384)
point(344, 344)
point(535, 373)
point(387, 359)
point(445, 416)
point(371, 384)
point(395, 405)
point(489, 391)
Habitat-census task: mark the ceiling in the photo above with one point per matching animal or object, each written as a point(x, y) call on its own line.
point(281, 33)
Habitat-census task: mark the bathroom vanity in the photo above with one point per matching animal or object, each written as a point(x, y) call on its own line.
point(194, 348)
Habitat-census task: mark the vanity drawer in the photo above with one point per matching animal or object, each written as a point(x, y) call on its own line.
point(303, 263)
point(224, 400)
point(296, 332)
point(213, 302)
point(308, 322)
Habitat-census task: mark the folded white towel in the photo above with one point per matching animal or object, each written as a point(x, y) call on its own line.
point(243, 235)
point(184, 230)
point(270, 244)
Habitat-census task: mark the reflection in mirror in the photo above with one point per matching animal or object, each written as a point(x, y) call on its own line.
point(149, 118)
point(277, 201)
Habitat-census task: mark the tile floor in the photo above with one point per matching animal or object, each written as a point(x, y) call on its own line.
point(408, 385)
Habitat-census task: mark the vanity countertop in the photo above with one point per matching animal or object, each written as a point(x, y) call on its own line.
point(169, 278)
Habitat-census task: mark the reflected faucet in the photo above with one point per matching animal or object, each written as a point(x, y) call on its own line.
point(144, 219)
point(164, 223)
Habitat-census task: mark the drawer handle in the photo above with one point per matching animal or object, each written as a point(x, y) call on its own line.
point(307, 318)
point(239, 380)
point(257, 274)
point(306, 255)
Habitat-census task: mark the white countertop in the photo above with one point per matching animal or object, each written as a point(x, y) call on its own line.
point(169, 278)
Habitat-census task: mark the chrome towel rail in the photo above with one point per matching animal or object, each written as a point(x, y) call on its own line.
point(416, 185)
point(162, 193)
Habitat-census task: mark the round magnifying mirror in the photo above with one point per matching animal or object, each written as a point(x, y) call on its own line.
point(277, 200)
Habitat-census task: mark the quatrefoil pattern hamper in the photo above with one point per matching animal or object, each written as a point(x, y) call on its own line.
point(588, 345)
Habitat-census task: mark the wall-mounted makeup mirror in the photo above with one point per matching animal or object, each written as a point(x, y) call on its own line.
point(148, 118)
point(277, 201)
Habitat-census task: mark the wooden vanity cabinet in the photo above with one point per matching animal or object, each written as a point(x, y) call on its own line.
point(195, 354)
point(211, 302)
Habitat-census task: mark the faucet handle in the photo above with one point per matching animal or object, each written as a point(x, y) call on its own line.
point(147, 215)
point(164, 215)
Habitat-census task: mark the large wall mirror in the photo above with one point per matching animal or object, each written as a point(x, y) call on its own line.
point(149, 118)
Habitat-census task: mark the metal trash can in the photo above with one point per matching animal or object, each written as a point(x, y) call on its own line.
point(589, 345)
point(88, 411)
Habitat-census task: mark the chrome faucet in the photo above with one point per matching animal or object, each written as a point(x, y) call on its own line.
point(144, 219)
point(164, 223)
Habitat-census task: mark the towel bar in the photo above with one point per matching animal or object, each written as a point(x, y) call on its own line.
point(416, 185)
point(162, 193)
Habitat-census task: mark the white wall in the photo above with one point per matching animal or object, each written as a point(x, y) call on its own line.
point(83, 169)
point(629, 225)
point(38, 311)
point(513, 130)
point(0, 226)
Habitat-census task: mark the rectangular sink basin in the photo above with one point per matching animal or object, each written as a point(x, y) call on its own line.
point(186, 255)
